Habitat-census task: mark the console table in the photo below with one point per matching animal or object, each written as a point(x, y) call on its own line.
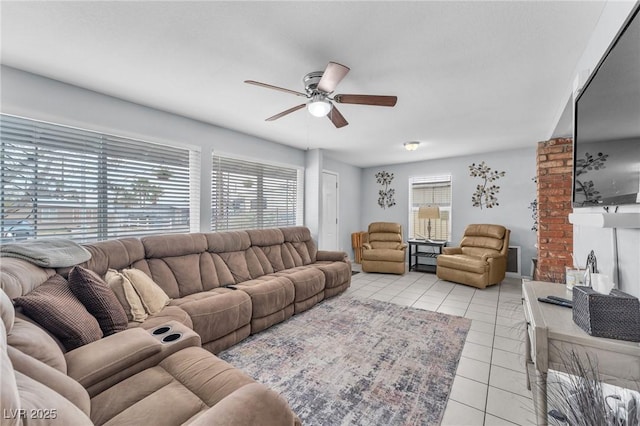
point(552, 335)
point(424, 249)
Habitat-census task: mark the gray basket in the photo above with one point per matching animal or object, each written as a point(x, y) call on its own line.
point(615, 315)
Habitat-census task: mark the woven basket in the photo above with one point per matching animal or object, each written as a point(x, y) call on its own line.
point(615, 315)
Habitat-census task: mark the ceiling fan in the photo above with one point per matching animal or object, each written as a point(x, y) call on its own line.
point(318, 86)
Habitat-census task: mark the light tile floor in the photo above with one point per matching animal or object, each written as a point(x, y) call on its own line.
point(490, 385)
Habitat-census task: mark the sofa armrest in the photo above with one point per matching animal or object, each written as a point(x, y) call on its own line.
point(402, 246)
point(366, 246)
point(491, 256)
point(335, 256)
point(266, 407)
point(92, 363)
point(451, 250)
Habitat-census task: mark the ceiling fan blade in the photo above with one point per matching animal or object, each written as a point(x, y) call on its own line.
point(336, 118)
point(333, 74)
point(269, 86)
point(387, 101)
point(283, 113)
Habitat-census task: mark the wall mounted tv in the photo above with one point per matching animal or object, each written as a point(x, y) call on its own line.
point(606, 138)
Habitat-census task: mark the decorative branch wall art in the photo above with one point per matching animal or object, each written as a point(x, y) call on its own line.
point(586, 187)
point(534, 209)
point(485, 194)
point(386, 194)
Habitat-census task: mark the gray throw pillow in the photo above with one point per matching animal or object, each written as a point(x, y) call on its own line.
point(54, 306)
point(99, 299)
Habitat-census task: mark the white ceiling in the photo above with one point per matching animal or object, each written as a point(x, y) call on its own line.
point(470, 76)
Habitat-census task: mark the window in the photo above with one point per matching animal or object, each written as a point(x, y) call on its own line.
point(87, 186)
point(430, 191)
point(246, 195)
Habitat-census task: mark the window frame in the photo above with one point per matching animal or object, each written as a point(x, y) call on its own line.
point(261, 222)
point(413, 210)
point(100, 169)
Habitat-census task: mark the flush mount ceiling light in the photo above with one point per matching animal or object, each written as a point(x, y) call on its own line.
point(411, 146)
point(319, 106)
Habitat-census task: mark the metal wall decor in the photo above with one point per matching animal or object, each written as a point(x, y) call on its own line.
point(485, 194)
point(534, 209)
point(386, 194)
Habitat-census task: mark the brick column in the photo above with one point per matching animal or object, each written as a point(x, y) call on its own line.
point(555, 233)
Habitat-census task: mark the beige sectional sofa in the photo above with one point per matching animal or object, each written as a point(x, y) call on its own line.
point(223, 287)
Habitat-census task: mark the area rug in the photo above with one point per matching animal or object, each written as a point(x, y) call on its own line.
point(348, 361)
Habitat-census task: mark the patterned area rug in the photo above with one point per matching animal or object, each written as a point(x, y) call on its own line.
point(358, 362)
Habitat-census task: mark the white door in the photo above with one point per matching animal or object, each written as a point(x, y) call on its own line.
point(329, 237)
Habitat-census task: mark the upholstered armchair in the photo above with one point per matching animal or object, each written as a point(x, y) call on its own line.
point(385, 251)
point(481, 258)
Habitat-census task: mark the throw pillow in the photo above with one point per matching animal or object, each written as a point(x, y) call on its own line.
point(153, 297)
point(127, 295)
point(99, 300)
point(54, 306)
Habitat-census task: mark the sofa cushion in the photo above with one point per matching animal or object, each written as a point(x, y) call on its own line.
point(237, 263)
point(477, 242)
point(169, 313)
point(32, 340)
point(265, 237)
point(175, 245)
point(299, 236)
point(224, 242)
point(114, 254)
point(99, 299)
point(127, 296)
point(463, 262)
point(384, 254)
point(154, 299)
point(7, 311)
point(35, 396)
point(9, 396)
point(181, 386)
point(54, 306)
point(50, 377)
point(18, 277)
point(485, 230)
point(216, 313)
point(335, 273)
point(268, 294)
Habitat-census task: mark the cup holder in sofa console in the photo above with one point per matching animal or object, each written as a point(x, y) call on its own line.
point(171, 337)
point(161, 330)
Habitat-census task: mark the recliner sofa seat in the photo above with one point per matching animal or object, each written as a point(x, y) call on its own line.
point(223, 286)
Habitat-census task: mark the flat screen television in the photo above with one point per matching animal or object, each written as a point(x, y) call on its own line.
point(606, 138)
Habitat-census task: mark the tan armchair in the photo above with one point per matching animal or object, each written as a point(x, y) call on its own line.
point(384, 252)
point(481, 258)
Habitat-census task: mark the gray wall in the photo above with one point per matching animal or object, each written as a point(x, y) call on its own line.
point(40, 98)
point(349, 201)
point(33, 96)
point(313, 192)
point(517, 190)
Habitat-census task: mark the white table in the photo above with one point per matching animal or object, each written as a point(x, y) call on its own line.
point(552, 335)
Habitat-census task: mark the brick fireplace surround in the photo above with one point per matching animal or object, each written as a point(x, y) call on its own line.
point(554, 168)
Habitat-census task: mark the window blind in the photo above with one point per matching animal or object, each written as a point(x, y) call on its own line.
point(248, 195)
point(67, 182)
point(425, 191)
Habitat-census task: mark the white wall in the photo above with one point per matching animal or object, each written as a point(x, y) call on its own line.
point(32, 96)
point(601, 241)
point(517, 191)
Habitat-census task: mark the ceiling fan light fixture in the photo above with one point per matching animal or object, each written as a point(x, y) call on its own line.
point(319, 106)
point(411, 146)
